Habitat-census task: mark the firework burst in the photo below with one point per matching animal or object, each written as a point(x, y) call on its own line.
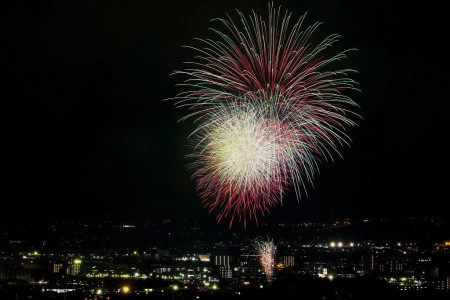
point(267, 251)
point(268, 108)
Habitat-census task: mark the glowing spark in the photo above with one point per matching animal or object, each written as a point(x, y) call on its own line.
point(268, 108)
point(267, 251)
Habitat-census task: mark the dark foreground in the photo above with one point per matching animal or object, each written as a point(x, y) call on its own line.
point(286, 288)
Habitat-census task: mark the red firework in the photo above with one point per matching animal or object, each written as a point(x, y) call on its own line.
point(267, 108)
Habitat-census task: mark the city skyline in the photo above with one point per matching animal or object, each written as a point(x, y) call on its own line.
point(90, 135)
point(344, 259)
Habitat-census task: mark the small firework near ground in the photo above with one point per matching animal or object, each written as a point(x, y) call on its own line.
point(266, 251)
point(268, 105)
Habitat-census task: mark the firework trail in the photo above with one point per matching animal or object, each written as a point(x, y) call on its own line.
point(268, 107)
point(267, 251)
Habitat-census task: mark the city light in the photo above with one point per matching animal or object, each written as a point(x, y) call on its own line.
point(328, 260)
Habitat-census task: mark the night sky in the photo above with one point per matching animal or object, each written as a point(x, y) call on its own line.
point(88, 135)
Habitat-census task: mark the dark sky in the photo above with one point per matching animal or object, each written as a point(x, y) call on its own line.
point(87, 133)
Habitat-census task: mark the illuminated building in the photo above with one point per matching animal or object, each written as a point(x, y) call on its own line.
point(205, 257)
point(287, 261)
point(443, 284)
point(323, 272)
point(73, 267)
point(57, 267)
point(223, 262)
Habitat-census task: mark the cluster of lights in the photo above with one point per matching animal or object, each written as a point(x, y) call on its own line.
point(406, 283)
point(104, 275)
point(340, 244)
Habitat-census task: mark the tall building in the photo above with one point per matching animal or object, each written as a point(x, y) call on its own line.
point(73, 267)
point(287, 261)
point(223, 264)
point(222, 260)
point(226, 272)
